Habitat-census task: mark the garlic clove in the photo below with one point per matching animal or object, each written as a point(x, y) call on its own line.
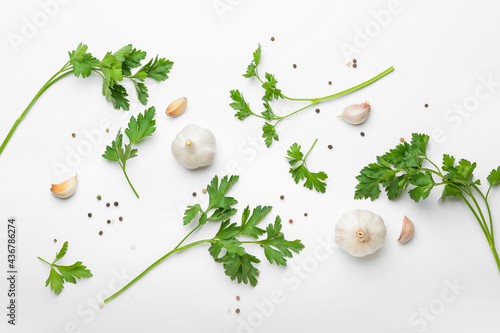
point(407, 231)
point(177, 107)
point(65, 189)
point(357, 113)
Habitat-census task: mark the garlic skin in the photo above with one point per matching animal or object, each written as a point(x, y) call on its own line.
point(357, 113)
point(194, 147)
point(407, 231)
point(177, 107)
point(65, 189)
point(360, 232)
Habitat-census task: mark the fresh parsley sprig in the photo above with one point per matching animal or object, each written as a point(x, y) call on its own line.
point(113, 68)
point(300, 171)
point(138, 129)
point(228, 246)
point(271, 92)
point(60, 274)
point(403, 167)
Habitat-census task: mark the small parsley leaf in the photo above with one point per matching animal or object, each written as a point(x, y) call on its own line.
point(300, 171)
point(138, 129)
point(240, 105)
point(60, 274)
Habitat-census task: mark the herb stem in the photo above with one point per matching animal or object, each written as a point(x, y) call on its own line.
point(291, 114)
point(56, 77)
point(359, 86)
point(481, 213)
point(45, 261)
point(477, 218)
point(128, 180)
point(189, 234)
point(138, 277)
point(485, 199)
point(305, 157)
point(437, 168)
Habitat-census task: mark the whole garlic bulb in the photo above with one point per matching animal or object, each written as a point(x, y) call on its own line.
point(357, 113)
point(360, 232)
point(194, 147)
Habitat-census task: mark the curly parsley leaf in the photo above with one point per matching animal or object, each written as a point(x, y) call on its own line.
point(299, 170)
point(60, 274)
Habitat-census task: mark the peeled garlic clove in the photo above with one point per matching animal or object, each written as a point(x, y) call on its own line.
point(360, 232)
point(357, 113)
point(177, 107)
point(194, 147)
point(407, 231)
point(66, 188)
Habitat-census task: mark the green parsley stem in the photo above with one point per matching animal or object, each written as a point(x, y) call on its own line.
point(291, 114)
point(481, 213)
point(128, 180)
point(345, 92)
point(177, 249)
point(305, 157)
point(45, 261)
point(56, 77)
point(485, 199)
point(477, 218)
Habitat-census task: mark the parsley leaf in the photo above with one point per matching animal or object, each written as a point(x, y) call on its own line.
point(142, 127)
point(300, 171)
point(268, 114)
point(60, 274)
point(241, 268)
point(404, 158)
point(249, 225)
point(271, 92)
point(276, 247)
point(240, 105)
point(138, 129)
point(494, 177)
point(82, 61)
point(269, 134)
point(252, 67)
point(157, 69)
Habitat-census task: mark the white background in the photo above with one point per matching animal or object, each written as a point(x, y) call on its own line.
point(440, 49)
